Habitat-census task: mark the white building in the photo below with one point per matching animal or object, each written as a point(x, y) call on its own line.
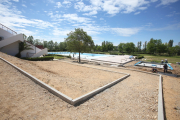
point(9, 43)
point(179, 44)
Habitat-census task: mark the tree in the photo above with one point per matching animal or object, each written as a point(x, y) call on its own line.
point(140, 46)
point(107, 46)
point(121, 47)
point(79, 41)
point(23, 46)
point(159, 46)
point(37, 42)
point(45, 44)
point(50, 45)
point(145, 46)
point(30, 39)
point(170, 43)
point(25, 37)
point(62, 46)
point(56, 45)
point(130, 47)
point(99, 48)
point(151, 46)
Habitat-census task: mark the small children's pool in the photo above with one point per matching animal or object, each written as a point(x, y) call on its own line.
point(82, 55)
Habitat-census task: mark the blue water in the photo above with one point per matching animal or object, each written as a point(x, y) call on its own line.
point(83, 55)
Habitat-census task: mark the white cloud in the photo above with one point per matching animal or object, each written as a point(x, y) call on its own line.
point(137, 13)
point(91, 13)
point(16, 0)
point(126, 31)
point(24, 5)
point(60, 32)
point(112, 7)
point(19, 22)
point(26, 32)
point(67, 3)
point(58, 4)
point(33, 4)
point(142, 8)
point(51, 1)
point(80, 6)
point(72, 18)
point(172, 14)
point(168, 27)
point(154, 0)
point(167, 2)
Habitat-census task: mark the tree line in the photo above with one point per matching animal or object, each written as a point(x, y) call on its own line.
point(154, 46)
point(51, 45)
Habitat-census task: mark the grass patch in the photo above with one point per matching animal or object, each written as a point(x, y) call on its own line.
point(46, 58)
point(57, 56)
point(158, 58)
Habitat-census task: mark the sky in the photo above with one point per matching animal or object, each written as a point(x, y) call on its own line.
point(116, 21)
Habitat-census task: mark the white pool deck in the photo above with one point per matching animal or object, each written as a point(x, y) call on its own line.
point(114, 59)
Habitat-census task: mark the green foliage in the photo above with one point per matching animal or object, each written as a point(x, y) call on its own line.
point(79, 41)
point(107, 46)
point(56, 45)
point(170, 44)
point(25, 37)
point(121, 47)
point(30, 39)
point(69, 56)
point(139, 57)
point(23, 46)
point(151, 46)
point(130, 47)
point(63, 46)
point(50, 45)
point(46, 58)
point(45, 44)
point(37, 42)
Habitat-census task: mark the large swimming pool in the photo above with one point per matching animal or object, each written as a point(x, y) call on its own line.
point(82, 55)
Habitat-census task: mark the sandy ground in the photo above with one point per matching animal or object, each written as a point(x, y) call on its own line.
point(133, 98)
point(70, 80)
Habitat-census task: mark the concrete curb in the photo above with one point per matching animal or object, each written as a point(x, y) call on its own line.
point(63, 96)
point(42, 84)
point(161, 114)
point(160, 101)
point(94, 92)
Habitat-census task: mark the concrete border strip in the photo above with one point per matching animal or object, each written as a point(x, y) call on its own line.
point(160, 92)
point(160, 101)
point(63, 96)
point(42, 84)
point(92, 93)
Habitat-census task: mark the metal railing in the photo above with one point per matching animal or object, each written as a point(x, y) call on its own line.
point(8, 29)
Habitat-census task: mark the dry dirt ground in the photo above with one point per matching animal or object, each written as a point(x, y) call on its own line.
point(133, 98)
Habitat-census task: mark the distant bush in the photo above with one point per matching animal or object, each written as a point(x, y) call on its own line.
point(46, 58)
point(139, 57)
point(113, 53)
point(53, 55)
point(69, 56)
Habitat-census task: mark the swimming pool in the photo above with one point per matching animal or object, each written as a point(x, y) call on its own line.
point(82, 55)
